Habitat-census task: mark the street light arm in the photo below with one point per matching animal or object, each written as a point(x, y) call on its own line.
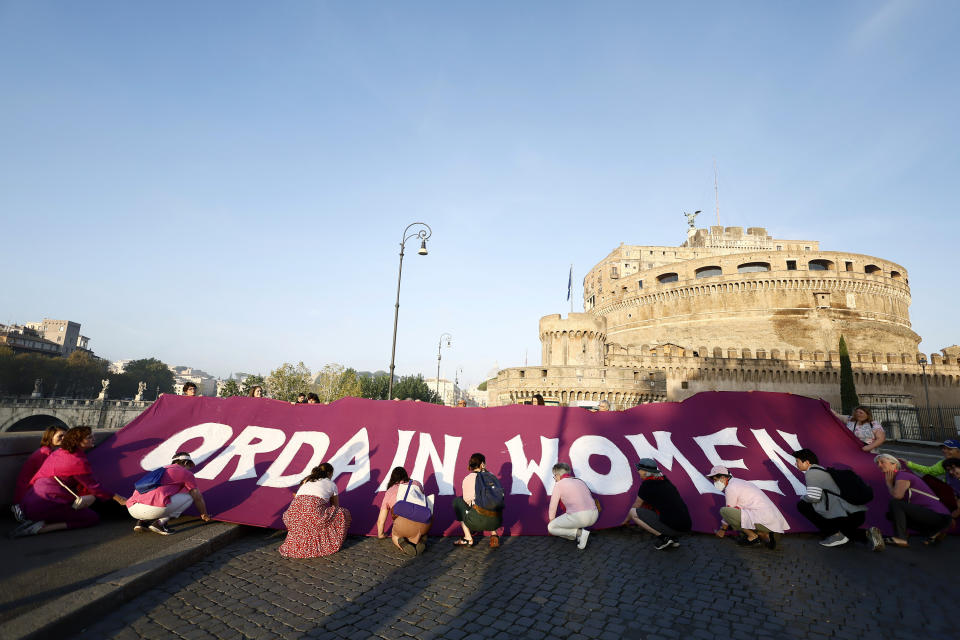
point(423, 234)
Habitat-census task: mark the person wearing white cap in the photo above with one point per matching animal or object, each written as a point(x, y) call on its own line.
point(175, 490)
point(748, 509)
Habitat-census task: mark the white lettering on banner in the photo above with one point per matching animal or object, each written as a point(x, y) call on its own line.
point(358, 449)
point(665, 453)
point(443, 469)
point(617, 480)
point(723, 438)
point(275, 476)
point(777, 456)
point(523, 469)
point(399, 458)
point(214, 435)
point(251, 441)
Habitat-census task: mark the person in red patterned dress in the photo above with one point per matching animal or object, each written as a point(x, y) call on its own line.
point(316, 523)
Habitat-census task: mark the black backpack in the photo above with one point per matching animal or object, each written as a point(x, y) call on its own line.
point(852, 487)
point(489, 493)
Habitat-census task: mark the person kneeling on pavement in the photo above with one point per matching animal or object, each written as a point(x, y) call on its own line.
point(176, 491)
point(658, 509)
point(580, 509)
point(748, 510)
point(839, 521)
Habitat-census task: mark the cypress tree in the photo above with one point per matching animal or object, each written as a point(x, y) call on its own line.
point(848, 391)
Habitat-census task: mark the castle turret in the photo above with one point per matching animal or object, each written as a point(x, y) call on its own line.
point(577, 339)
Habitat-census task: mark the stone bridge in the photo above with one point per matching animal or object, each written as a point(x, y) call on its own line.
point(26, 414)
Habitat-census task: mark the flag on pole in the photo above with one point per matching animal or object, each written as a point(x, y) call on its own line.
point(570, 283)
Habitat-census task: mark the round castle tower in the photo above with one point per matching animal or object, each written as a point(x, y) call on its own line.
point(577, 339)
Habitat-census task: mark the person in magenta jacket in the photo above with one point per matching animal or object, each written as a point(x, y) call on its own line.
point(51, 439)
point(63, 477)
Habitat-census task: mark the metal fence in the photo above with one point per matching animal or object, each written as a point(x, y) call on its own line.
point(929, 424)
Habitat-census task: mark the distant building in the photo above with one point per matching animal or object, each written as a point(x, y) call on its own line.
point(64, 333)
point(207, 385)
point(450, 393)
point(24, 339)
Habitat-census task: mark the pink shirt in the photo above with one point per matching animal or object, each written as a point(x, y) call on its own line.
point(469, 487)
point(29, 469)
point(755, 507)
point(390, 497)
point(73, 470)
point(575, 495)
point(176, 479)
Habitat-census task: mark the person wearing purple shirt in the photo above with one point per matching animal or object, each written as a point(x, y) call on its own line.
point(912, 504)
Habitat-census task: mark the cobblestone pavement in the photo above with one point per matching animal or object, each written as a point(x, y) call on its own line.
point(539, 587)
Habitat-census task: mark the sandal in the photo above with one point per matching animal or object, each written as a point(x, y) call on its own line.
point(897, 542)
point(494, 541)
point(935, 539)
point(463, 542)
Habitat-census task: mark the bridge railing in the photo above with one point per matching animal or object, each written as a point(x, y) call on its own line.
point(73, 403)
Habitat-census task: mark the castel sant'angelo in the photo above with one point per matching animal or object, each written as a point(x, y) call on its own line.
point(733, 310)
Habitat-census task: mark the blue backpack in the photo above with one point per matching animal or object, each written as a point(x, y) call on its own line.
point(150, 481)
point(489, 492)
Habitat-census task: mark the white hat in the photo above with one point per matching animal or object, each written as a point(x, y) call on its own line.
point(718, 470)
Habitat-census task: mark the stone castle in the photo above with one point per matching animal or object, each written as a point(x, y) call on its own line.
point(730, 310)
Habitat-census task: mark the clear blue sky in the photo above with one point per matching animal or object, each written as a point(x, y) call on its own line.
point(224, 185)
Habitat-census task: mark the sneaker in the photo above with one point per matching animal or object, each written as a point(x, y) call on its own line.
point(746, 542)
point(582, 540)
point(18, 513)
point(421, 546)
point(162, 529)
point(408, 548)
point(835, 540)
point(674, 542)
point(876, 539)
point(141, 525)
point(662, 542)
point(28, 528)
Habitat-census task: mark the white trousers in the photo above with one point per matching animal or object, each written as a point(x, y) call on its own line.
point(566, 526)
point(179, 502)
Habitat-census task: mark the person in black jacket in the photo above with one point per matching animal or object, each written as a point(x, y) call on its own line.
point(658, 509)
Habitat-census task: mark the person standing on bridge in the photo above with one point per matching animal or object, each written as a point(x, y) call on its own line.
point(63, 489)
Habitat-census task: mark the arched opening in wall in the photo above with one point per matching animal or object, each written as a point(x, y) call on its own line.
point(872, 268)
point(37, 423)
point(753, 267)
point(896, 275)
point(820, 265)
point(706, 272)
point(664, 278)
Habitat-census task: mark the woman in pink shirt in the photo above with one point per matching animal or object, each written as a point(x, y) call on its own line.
point(409, 536)
point(578, 503)
point(51, 439)
point(177, 491)
point(64, 478)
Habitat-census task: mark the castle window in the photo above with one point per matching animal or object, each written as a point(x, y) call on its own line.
point(820, 265)
point(543, 373)
point(849, 266)
point(822, 300)
point(896, 275)
point(667, 277)
point(523, 374)
point(806, 248)
point(753, 267)
point(684, 384)
point(779, 247)
point(872, 268)
point(639, 284)
point(791, 265)
point(614, 273)
point(706, 272)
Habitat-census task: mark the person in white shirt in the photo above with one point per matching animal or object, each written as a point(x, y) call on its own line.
point(316, 523)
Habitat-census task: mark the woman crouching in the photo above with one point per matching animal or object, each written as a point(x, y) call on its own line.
point(412, 513)
point(316, 523)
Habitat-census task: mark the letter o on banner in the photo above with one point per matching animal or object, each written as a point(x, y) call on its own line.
point(214, 436)
point(617, 480)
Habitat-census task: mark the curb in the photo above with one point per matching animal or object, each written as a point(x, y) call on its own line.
point(70, 613)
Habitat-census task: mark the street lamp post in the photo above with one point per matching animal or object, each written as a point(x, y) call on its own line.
point(440, 344)
point(926, 390)
point(424, 234)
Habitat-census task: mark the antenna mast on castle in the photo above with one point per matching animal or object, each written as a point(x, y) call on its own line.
point(716, 189)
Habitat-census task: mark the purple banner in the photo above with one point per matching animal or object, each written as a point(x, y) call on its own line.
point(252, 452)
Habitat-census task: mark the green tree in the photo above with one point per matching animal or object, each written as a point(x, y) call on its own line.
point(848, 389)
point(250, 382)
point(83, 375)
point(375, 386)
point(155, 373)
point(414, 388)
point(482, 386)
point(230, 388)
point(335, 382)
point(287, 381)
